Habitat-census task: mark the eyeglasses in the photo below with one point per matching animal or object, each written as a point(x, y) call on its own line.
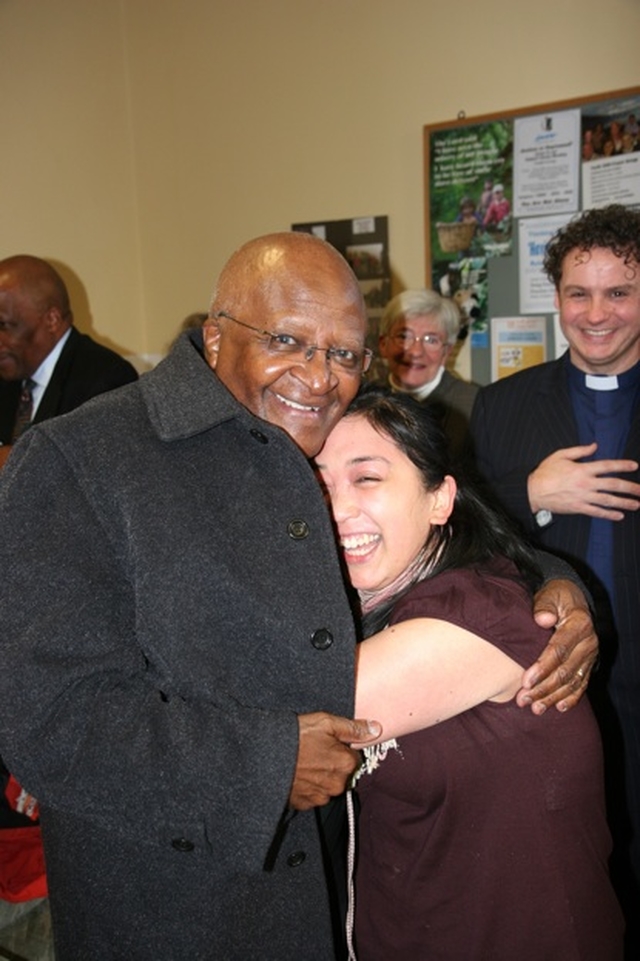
point(406, 339)
point(338, 358)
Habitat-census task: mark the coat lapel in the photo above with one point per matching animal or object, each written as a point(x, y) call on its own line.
point(553, 406)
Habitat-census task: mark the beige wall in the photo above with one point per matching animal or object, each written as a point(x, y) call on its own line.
point(143, 140)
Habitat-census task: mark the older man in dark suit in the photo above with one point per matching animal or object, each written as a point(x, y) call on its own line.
point(560, 444)
point(47, 367)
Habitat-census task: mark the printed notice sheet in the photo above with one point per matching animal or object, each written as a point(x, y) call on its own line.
point(547, 163)
point(534, 233)
point(516, 343)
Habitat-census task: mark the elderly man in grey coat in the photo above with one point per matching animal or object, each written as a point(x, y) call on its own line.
point(178, 647)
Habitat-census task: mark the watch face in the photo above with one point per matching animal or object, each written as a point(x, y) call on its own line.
point(543, 518)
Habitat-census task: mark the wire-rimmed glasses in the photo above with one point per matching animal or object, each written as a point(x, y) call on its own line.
point(338, 358)
point(406, 339)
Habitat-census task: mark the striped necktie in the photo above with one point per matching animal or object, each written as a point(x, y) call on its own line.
point(25, 409)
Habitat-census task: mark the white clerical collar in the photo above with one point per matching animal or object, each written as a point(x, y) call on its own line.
point(601, 381)
point(418, 392)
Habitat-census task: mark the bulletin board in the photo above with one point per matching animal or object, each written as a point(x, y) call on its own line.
point(496, 188)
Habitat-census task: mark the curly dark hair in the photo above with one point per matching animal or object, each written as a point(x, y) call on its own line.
point(615, 228)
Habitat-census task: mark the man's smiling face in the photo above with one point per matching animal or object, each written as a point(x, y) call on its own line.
point(299, 289)
point(599, 302)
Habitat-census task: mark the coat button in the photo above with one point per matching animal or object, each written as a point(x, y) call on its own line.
point(298, 530)
point(322, 639)
point(182, 844)
point(258, 435)
point(296, 858)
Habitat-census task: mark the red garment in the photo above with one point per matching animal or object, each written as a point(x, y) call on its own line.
point(22, 874)
point(20, 800)
point(484, 838)
point(498, 210)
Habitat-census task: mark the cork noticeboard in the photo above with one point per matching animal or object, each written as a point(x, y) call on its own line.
point(497, 186)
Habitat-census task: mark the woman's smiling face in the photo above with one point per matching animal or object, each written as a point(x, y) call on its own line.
point(381, 508)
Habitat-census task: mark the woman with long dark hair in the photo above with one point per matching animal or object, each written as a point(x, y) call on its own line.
point(482, 831)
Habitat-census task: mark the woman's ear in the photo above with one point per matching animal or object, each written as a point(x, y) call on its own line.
point(443, 500)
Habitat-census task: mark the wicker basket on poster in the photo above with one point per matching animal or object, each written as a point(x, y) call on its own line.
point(455, 237)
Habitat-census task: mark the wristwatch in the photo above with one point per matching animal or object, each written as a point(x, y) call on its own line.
point(543, 517)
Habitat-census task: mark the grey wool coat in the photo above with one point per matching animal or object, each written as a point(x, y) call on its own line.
point(170, 599)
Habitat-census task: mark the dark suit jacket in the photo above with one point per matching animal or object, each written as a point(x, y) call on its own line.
point(453, 400)
point(515, 424)
point(84, 370)
point(454, 397)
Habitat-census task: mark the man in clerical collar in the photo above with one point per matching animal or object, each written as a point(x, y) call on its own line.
point(560, 445)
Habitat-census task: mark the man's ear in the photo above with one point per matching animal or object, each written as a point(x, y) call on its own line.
point(55, 321)
point(211, 340)
point(444, 499)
